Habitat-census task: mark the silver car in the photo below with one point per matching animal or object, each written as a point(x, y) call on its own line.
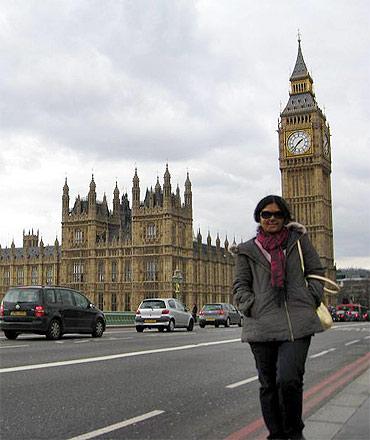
point(219, 313)
point(163, 313)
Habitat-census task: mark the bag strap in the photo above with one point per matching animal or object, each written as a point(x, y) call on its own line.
point(317, 277)
point(300, 255)
point(326, 280)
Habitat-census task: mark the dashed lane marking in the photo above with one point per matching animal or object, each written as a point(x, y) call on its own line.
point(322, 353)
point(116, 426)
point(242, 382)
point(13, 346)
point(352, 342)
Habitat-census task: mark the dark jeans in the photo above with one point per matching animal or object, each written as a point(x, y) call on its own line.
point(280, 368)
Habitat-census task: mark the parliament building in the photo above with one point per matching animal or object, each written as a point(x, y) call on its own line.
point(118, 257)
point(121, 255)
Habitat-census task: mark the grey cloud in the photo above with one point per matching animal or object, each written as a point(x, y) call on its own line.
point(105, 84)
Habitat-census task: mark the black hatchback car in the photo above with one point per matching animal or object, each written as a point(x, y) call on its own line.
point(49, 311)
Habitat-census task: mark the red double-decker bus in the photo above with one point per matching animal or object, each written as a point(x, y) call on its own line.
point(351, 312)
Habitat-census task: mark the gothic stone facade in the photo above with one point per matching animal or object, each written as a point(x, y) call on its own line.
point(305, 162)
point(118, 257)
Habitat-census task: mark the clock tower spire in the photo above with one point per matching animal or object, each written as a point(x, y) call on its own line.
point(305, 162)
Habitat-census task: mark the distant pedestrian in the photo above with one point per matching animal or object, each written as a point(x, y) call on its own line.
point(279, 308)
point(194, 312)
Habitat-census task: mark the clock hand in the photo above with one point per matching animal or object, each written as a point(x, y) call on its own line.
point(298, 142)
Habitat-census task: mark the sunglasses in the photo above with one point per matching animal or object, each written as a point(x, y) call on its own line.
point(269, 214)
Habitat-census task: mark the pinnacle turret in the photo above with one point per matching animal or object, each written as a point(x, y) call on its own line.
point(92, 184)
point(65, 199)
point(135, 190)
point(65, 187)
point(300, 70)
point(167, 188)
point(116, 205)
point(188, 194)
point(92, 197)
point(218, 242)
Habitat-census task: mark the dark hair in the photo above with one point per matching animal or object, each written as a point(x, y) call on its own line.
point(282, 204)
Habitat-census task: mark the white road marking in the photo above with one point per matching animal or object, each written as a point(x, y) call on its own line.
point(113, 356)
point(367, 337)
point(81, 341)
point(116, 426)
point(352, 342)
point(322, 353)
point(116, 339)
point(242, 382)
point(14, 346)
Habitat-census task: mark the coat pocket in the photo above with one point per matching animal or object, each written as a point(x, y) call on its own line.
point(264, 303)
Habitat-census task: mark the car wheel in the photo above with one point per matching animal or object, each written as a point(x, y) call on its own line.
point(98, 329)
point(227, 322)
point(190, 327)
point(139, 329)
point(54, 331)
point(171, 326)
point(216, 324)
point(11, 334)
point(201, 325)
point(160, 329)
point(240, 323)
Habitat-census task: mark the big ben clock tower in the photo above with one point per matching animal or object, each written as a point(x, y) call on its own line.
point(305, 162)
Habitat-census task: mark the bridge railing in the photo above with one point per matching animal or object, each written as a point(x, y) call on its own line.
point(119, 318)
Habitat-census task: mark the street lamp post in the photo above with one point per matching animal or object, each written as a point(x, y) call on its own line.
point(176, 281)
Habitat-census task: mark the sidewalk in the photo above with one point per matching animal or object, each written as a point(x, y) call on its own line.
point(346, 416)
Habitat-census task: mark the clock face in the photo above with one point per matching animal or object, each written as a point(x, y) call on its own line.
point(326, 145)
point(298, 142)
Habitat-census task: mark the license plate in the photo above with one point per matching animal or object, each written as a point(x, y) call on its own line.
point(149, 321)
point(18, 313)
point(210, 319)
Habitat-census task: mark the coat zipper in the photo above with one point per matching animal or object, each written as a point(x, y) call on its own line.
point(289, 322)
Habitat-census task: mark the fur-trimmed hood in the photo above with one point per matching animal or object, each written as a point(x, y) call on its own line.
point(291, 226)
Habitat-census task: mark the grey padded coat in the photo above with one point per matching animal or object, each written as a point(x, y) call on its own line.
point(264, 320)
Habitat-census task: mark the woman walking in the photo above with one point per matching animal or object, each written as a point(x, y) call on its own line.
point(270, 289)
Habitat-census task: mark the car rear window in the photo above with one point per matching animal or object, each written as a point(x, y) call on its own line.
point(212, 307)
point(23, 295)
point(153, 304)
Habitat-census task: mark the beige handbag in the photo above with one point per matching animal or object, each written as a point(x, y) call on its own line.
point(322, 311)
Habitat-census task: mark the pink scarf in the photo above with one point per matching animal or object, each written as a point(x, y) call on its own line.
point(274, 245)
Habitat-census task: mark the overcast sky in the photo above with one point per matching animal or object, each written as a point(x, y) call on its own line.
point(107, 86)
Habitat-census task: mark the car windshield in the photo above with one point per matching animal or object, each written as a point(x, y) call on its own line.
point(22, 295)
point(153, 304)
point(212, 307)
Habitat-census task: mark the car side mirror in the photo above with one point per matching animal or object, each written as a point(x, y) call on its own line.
point(91, 306)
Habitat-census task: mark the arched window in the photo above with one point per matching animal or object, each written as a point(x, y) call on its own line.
point(34, 275)
point(114, 271)
point(151, 271)
point(114, 302)
point(78, 237)
point(78, 272)
point(151, 231)
point(101, 271)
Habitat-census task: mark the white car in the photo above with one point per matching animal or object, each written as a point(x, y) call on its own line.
point(163, 313)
